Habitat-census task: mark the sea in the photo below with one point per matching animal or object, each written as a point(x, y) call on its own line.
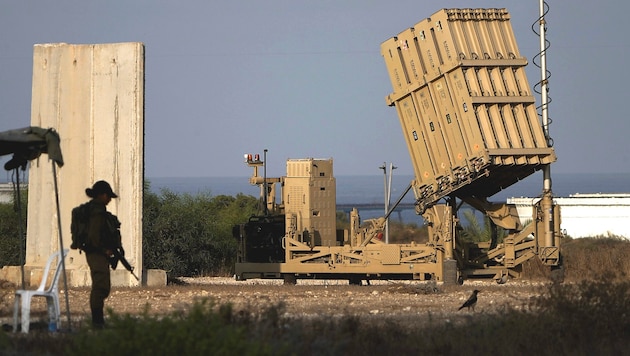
point(369, 191)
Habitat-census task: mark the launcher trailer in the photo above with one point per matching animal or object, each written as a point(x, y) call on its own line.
point(469, 119)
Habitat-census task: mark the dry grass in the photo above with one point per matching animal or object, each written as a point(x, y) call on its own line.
point(592, 258)
point(596, 257)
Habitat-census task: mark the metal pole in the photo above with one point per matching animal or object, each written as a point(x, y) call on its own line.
point(389, 199)
point(18, 206)
point(62, 255)
point(547, 203)
point(543, 84)
point(384, 168)
point(399, 199)
point(265, 180)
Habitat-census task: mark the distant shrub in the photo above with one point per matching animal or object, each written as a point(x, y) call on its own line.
point(400, 233)
point(10, 239)
point(190, 235)
point(598, 307)
point(596, 257)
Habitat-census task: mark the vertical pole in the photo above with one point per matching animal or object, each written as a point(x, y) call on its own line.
point(547, 203)
point(447, 230)
point(18, 206)
point(389, 199)
point(265, 181)
point(543, 70)
point(384, 168)
point(61, 250)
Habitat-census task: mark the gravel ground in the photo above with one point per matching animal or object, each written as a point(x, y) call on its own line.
point(400, 301)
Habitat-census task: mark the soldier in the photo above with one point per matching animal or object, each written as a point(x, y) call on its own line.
point(103, 237)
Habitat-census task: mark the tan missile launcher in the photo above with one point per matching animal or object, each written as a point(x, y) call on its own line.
point(472, 129)
point(464, 104)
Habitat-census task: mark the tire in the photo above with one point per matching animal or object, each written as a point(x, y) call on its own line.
point(289, 279)
point(355, 281)
point(460, 280)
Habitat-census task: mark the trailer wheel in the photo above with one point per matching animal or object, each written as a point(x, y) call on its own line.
point(355, 281)
point(289, 279)
point(501, 277)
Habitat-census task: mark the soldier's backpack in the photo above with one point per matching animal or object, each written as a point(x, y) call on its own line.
point(79, 226)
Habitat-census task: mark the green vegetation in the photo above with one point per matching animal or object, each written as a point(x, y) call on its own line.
point(474, 231)
point(585, 318)
point(205, 329)
point(192, 235)
point(183, 234)
point(400, 233)
point(10, 240)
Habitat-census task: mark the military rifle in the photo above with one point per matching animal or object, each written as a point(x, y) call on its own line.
point(118, 254)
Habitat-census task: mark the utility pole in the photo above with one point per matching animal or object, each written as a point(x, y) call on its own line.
point(388, 194)
point(265, 200)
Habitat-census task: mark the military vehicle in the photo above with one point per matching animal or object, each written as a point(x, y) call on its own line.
point(469, 119)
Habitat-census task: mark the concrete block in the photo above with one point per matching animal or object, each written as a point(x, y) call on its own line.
point(155, 278)
point(36, 275)
point(79, 277)
point(12, 274)
point(122, 278)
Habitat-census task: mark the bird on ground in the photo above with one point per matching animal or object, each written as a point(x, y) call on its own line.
point(470, 303)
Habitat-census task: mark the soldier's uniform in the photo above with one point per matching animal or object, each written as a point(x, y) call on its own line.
point(103, 238)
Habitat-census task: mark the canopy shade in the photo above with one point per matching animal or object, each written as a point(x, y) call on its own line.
point(29, 143)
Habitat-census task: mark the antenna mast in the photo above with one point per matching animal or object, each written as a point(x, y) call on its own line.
point(544, 89)
point(547, 199)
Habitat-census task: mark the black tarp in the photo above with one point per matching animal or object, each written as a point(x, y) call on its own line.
point(29, 143)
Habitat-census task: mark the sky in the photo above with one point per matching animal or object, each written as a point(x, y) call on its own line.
point(306, 78)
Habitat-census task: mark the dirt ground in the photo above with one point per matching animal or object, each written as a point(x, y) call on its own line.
point(400, 301)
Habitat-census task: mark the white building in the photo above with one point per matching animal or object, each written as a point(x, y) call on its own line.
point(586, 215)
point(7, 192)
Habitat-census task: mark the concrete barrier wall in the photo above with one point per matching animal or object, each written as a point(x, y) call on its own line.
point(93, 95)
